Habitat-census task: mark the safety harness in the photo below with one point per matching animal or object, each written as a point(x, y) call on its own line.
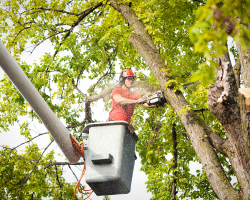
point(125, 106)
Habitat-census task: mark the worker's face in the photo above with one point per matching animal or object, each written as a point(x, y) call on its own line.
point(129, 82)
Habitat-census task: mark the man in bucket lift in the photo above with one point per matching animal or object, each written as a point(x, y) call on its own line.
point(123, 100)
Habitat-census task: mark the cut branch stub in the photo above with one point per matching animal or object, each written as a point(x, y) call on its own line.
point(246, 93)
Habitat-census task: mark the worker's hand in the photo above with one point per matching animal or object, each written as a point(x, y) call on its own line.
point(147, 106)
point(138, 102)
point(141, 100)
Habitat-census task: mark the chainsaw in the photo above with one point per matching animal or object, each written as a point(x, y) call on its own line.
point(156, 98)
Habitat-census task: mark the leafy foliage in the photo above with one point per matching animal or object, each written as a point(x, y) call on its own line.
point(95, 46)
point(47, 182)
point(216, 21)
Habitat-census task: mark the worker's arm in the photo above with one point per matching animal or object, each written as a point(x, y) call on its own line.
point(146, 105)
point(123, 101)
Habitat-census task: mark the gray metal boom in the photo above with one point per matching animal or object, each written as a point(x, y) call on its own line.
point(29, 92)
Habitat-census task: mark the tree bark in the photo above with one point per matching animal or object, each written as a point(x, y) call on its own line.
point(223, 103)
point(244, 58)
point(197, 130)
point(244, 62)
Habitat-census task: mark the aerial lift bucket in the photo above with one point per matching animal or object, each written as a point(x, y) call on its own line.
point(110, 157)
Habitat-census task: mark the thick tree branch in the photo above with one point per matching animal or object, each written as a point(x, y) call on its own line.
point(142, 88)
point(219, 144)
point(223, 103)
point(192, 123)
point(154, 60)
point(103, 93)
point(88, 114)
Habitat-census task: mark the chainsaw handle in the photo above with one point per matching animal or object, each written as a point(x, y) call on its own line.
point(141, 100)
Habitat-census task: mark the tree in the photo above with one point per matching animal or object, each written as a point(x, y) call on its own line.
point(182, 43)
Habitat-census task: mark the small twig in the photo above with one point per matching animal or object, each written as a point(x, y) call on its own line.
point(15, 36)
point(73, 172)
point(69, 2)
point(73, 82)
point(83, 126)
point(73, 126)
point(80, 73)
point(201, 110)
point(16, 154)
point(184, 135)
point(82, 16)
point(30, 140)
point(31, 161)
point(176, 43)
point(200, 1)
point(32, 170)
point(62, 163)
point(80, 136)
point(57, 178)
point(48, 9)
point(187, 84)
point(6, 147)
point(46, 39)
point(100, 79)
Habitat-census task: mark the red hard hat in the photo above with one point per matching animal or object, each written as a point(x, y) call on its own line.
point(127, 73)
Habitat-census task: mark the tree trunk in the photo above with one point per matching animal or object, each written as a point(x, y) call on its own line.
point(224, 103)
point(199, 133)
